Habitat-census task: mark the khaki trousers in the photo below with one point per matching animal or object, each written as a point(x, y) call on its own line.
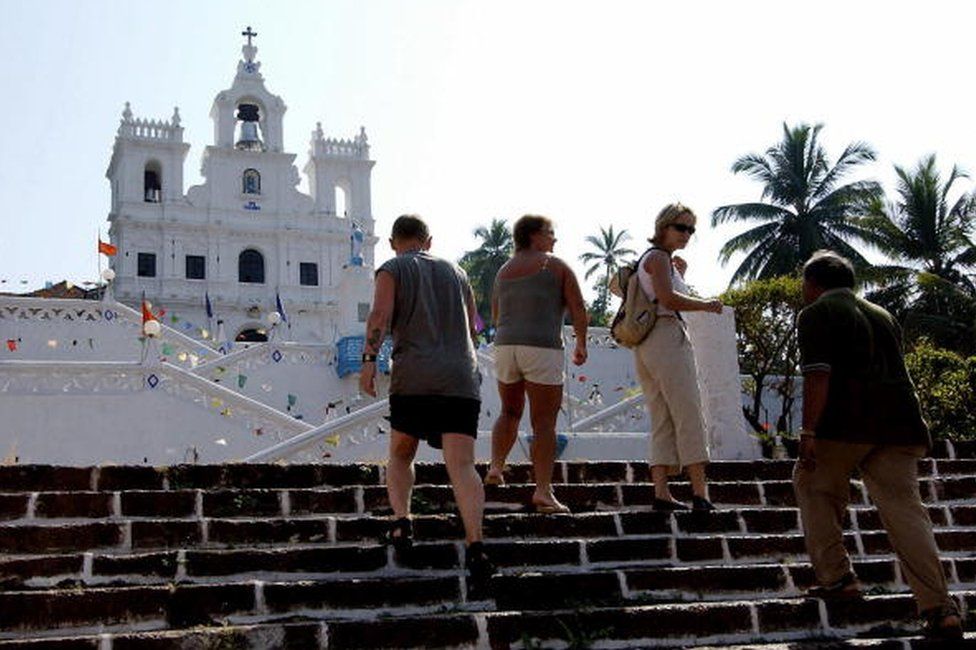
point(890, 473)
point(665, 364)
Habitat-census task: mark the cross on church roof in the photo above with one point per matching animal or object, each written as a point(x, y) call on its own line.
point(249, 34)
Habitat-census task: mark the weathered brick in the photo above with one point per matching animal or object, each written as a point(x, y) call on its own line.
point(176, 503)
point(13, 506)
point(768, 547)
point(769, 520)
point(536, 591)
point(54, 505)
point(708, 522)
point(437, 555)
point(875, 609)
point(741, 470)
point(314, 502)
point(358, 593)
point(959, 466)
point(242, 503)
point(530, 553)
point(190, 605)
point(579, 525)
point(738, 493)
point(58, 643)
point(782, 615)
point(869, 572)
point(956, 540)
point(35, 610)
point(38, 478)
point(691, 549)
point(293, 635)
point(165, 534)
point(15, 570)
point(646, 523)
point(597, 472)
point(710, 579)
point(775, 470)
point(628, 550)
point(154, 564)
point(586, 497)
point(966, 569)
point(59, 537)
point(955, 487)
point(459, 630)
point(113, 478)
point(326, 559)
point(268, 531)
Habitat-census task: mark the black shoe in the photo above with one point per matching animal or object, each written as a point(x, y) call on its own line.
point(666, 505)
point(400, 534)
point(935, 624)
point(701, 504)
point(480, 568)
point(847, 588)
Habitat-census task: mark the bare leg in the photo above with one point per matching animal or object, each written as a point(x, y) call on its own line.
point(696, 472)
point(544, 401)
point(468, 490)
point(659, 475)
point(399, 472)
point(505, 430)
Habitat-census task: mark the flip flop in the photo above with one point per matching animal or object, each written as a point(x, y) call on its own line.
point(551, 508)
point(494, 479)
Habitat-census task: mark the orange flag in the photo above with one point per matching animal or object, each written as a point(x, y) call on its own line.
point(107, 249)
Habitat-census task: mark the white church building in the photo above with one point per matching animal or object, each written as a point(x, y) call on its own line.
point(247, 237)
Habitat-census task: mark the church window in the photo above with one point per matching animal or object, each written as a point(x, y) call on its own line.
point(146, 265)
point(152, 183)
point(250, 267)
point(196, 267)
point(252, 181)
point(308, 273)
point(341, 201)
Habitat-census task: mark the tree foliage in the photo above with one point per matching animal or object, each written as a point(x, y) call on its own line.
point(803, 208)
point(929, 239)
point(946, 383)
point(482, 263)
point(765, 328)
point(607, 250)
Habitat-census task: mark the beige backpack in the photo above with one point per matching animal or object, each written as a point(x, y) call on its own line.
point(637, 314)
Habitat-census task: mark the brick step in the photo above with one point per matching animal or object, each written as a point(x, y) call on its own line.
point(39, 478)
point(769, 623)
point(34, 536)
point(582, 497)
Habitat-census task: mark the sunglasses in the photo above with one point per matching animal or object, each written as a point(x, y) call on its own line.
point(680, 227)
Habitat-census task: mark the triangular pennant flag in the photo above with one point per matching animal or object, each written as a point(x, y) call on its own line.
point(241, 380)
point(332, 440)
point(281, 308)
point(12, 345)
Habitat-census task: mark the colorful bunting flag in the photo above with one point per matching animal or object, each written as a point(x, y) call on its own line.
point(332, 440)
point(12, 345)
point(167, 350)
point(291, 400)
point(241, 380)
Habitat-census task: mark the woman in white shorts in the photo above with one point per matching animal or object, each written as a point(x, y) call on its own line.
point(532, 292)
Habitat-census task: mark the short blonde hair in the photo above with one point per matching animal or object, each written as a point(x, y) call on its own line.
point(667, 216)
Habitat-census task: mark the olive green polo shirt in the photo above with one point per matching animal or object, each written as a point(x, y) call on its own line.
point(871, 398)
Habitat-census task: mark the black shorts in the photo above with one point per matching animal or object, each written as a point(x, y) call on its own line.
point(427, 417)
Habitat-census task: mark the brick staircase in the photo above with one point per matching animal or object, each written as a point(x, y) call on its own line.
point(287, 556)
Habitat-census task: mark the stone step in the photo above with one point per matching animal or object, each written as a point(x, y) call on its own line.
point(772, 623)
point(39, 478)
point(582, 497)
point(739, 529)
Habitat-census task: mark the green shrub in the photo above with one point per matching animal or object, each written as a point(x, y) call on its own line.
point(946, 383)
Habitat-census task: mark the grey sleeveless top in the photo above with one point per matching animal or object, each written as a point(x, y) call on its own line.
point(432, 349)
point(530, 311)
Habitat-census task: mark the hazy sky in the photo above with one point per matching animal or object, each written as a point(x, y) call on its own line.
point(594, 113)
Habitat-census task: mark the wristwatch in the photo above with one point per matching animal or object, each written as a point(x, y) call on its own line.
point(368, 358)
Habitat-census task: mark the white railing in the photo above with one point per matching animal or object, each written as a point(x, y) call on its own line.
point(150, 130)
point(260, 354)
point(194, 350)
point(629, 409)
point(17, 309)
point(363, 422)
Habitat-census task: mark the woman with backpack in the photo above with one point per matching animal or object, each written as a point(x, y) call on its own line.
point(665, 363)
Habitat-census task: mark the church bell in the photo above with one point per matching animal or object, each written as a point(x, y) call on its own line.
point(249, 140)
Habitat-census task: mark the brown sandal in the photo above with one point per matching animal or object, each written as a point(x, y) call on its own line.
point(847, 588)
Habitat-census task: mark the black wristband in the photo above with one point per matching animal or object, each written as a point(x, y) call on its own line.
point(368, 358)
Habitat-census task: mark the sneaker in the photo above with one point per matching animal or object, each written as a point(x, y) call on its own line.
point(701, 504)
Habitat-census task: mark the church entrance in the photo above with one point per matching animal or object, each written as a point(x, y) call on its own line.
point(251, 336)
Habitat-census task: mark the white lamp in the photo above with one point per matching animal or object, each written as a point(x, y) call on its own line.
point(152, 328)
point(274, 318)
point(108, 275)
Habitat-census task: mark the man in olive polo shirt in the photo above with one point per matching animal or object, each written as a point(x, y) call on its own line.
point(861, 412)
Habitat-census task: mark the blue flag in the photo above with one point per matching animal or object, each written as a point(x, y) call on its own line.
point(281, 308)
point(208, 305)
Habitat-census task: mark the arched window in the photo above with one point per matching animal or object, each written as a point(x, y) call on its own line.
point(252, 335)
point(152, 182)
point(341, 201)
point(250, 267)
point(251, 181)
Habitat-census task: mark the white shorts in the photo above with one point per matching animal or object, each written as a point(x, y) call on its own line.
point(515, 363)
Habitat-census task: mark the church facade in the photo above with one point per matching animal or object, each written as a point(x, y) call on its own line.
point(246, 238)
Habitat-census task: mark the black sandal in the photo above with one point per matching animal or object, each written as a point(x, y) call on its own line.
point(400, 534)
point(847, 588)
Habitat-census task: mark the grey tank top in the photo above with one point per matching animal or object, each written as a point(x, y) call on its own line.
point(530, 311)
point(432, 349)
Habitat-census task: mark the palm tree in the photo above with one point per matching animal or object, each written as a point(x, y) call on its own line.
point(608, 249)
point(482, 263)
point(929, 239)
point(803, 206)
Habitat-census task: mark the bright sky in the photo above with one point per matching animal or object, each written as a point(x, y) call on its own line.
point(593, 113)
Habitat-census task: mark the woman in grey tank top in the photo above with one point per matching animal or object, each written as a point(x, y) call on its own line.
point(532, 292)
